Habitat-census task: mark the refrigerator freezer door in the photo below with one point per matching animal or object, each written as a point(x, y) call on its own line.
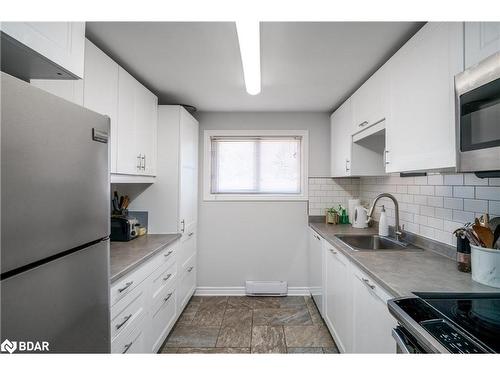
point(64, 302)
point(55, 179)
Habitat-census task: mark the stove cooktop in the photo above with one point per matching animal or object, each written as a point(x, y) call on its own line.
point(462, 323)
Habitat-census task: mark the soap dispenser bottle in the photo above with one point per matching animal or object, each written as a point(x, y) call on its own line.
point(383, 226)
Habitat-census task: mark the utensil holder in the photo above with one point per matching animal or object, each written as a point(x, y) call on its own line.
point(486, 266)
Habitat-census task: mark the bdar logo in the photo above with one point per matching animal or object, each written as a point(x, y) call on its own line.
point(8, 346)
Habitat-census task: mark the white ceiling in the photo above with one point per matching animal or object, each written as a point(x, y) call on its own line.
point(306, 66)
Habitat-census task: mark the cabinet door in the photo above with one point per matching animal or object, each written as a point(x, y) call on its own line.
point(420, 134)
point(71, 90)
point(101, 91)
point(146, 128)
point(482, 39)
point(128, 160)
point(341, 139)
point(339, 298)
point(316, 269)
point(60, 42)
point(369, 102)
point(372, 321)
point(188, 184)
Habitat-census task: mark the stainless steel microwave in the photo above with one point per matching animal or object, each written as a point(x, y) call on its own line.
point(478, 117)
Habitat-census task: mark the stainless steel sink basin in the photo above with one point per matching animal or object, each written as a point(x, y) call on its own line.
point(363, 242)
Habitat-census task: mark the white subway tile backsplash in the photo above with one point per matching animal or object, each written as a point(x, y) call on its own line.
point(437, 204)
point(475, 205)
point(330, 192)
point(435, 179)
point(463, 191)
point(489, 192)
point(443, 191)
point(435, 201)
point(453, 179)
point(472, 179)
point(455, 203)
point(427, 190)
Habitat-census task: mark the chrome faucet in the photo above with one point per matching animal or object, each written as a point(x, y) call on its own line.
point(398, 230)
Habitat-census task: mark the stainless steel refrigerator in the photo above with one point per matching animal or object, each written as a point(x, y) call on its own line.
point(54, 221)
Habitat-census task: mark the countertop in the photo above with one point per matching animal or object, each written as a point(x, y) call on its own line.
point(125, 256)
point(403, 272)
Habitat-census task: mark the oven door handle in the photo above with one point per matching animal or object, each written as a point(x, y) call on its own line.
point(400, 341)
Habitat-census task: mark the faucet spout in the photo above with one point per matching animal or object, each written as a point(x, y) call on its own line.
point(398, 230)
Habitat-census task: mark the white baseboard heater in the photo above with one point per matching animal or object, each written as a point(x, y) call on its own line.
point(266, 288)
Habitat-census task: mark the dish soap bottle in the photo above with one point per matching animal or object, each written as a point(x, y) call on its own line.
point(383, 227)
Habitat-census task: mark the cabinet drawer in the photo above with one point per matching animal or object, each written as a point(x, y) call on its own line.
point(163, 315)
point(129, 282)
point(187, 249)
point(165, 256)
point(132, 342)
point(189, 232)
point(373, 287)
point(163, 278)
point(187, 281)
point(127, 312)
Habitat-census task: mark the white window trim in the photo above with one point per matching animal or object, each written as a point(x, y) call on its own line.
point(207, 165)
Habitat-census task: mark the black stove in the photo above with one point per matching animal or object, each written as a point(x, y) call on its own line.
point(451, 322)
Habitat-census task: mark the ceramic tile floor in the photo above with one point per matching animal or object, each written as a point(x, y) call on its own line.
point(250, 325)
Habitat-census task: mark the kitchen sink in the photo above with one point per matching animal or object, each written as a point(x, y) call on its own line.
point(374, 242)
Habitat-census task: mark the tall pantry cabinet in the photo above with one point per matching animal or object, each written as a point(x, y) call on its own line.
point(172, 201)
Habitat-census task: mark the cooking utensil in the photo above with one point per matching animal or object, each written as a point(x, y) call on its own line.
point(496, 236)
point(121, 202)
point(484, 234)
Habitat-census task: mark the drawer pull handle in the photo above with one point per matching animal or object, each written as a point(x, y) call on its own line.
point(333, 251)
point(125, 287)
point(167, 277)
point(367, 282)
point(127, 347)
point(190, 269)
point(125, 320)
point(167, 254)
point(190, 234)
point(167, 297)
point(363, 124)
point(317, 237)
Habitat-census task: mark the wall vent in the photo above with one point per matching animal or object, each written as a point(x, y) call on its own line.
point(266, 288)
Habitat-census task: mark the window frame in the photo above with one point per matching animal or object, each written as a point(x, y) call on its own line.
point(207, 165)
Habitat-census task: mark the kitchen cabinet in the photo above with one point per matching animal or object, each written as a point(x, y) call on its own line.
point(316, 269)
point(341, 129)
point(373, 322)
point(339, 315)
point(63, 43)
point(420, 131)
point(482, 39)
point(100, 91)
point(137, 124)
point(370, 101)
point(71, 90)
point(144, 304)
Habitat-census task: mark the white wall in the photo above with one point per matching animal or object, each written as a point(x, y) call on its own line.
point(240, 241)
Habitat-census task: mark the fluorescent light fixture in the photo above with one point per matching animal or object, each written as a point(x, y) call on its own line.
point(249, 40)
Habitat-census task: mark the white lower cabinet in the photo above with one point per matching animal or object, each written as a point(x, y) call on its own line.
point(373, 322)
point(356, 307)
point(338, 311)
point(145, 303)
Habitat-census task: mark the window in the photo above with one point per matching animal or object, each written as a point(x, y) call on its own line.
point(255, 165)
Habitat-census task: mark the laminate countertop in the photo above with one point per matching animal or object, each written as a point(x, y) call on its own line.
point(403, 272)
point(126, 256)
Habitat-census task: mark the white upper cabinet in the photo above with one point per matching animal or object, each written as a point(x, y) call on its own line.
point(482, 39)
point(63, 43)
point(341, 125)
point(101, 91)
point(137, 126)
point(420, 132)
point(370, 101)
